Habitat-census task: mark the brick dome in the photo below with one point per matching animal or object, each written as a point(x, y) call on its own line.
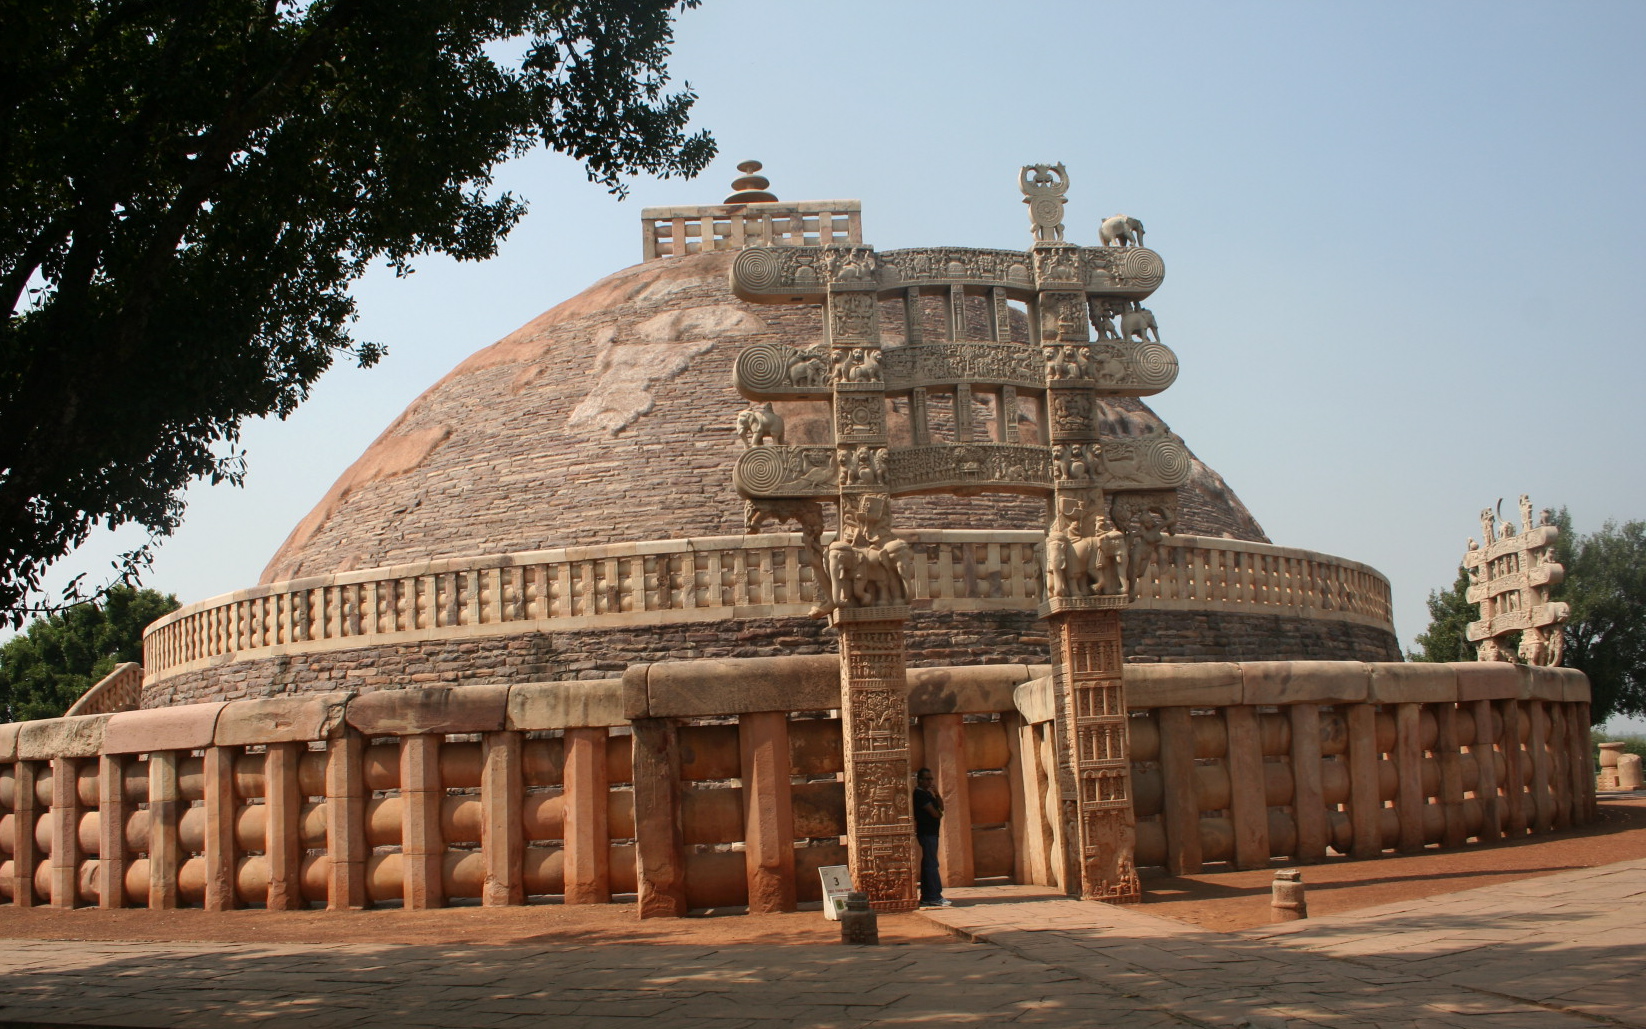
point(610, 418)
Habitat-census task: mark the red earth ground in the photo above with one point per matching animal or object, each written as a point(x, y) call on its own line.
point(1219, 900)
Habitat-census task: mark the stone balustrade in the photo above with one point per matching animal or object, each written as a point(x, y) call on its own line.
point(660, 785)
point(680, 231)
point(714, 578)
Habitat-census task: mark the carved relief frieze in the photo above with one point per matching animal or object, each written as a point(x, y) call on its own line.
point(1157, 460)
point(1057, 267)
point(1074, 414)
point(860, 416)
point(939, 364)
point(864, 466)
point(1132, 272)
point(1004, 466)
point(858, 364)
point(776, 371)
point(900, 269)
point(1063, 318)
point(852, 316)
point(786, 472)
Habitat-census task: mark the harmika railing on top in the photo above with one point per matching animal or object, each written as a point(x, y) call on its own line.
point(722, 577)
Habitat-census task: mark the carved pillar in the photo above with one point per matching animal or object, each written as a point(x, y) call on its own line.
point(1000, 316)
point(1006, 415)
point(919, 428)
point(914, 327)
point(963, 413)
point(874, 718)
point(957, 312)
point(1086, 668)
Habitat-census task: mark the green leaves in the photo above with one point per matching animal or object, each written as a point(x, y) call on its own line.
point(193, 186)
point(46, 669)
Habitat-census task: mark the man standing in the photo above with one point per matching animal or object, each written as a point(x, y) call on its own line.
point(928, 823)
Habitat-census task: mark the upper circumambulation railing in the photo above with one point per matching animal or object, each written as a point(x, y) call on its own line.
point(714, 578)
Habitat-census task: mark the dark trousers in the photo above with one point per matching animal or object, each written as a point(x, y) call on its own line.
point(931, 880)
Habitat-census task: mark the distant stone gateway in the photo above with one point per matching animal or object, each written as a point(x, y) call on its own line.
point(661, 599)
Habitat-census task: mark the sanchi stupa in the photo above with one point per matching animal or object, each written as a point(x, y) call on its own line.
point(662, 598)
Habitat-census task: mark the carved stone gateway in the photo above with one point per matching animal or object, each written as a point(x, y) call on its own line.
point(1510, 575)
point(1023, 411)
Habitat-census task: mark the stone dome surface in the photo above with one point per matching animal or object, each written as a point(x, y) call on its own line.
point(610, 418)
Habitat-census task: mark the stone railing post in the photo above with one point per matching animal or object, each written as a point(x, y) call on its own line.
point(112, 812)
point(222, 852)
point(660, 850)
point(65, 844)
point(422, 847)
point(503, 832)
point(25, 853)
point(946, 756)
point(283, 845)
point(164, 805)
point(587, 832)
point(346, 820)
point(768, 811)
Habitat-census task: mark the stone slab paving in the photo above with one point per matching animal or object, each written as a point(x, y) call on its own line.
point(1575, 941)
point(1557, 952)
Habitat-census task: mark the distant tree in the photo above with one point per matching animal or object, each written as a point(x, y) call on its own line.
point(1605, 638)
point(48, 667)
point(187, 189)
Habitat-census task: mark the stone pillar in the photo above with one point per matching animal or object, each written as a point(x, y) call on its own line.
point(422, 846)
point(587, 836)
point(164, 802)
point(346, 821)
point(25, 852)
point(65, 843)
point(660, 848)
point(112, 811)
point(284, 826)
point(221, 808)
point(503, 833)
point(768, 811)
point(1086, 669)
point(946, 757)
point(874, 719)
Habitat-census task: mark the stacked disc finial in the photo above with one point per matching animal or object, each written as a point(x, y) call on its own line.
point(751, 187)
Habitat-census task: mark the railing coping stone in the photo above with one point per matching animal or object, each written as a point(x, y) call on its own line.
point(562, 705)
point(1299, 682)
point(74, 736)
point(439, 709)
point(1203, 684)
point(294, 719)
point(8, 740)
point(185, 727)
point(959, 689)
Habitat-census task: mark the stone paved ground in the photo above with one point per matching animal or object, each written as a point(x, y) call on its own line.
point(1558, 951)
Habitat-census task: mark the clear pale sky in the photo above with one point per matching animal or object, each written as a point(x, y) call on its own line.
point(1403, 243)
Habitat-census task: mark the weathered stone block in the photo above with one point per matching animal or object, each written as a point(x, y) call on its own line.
point(8, 741)
point(1036, 700)
point(1574, 685)
point(560, 705)
point(314, 716)
point(1487, 680)
point(79, 736)
point(1413, 682)
point(1213, 684)
point(440, 709)
point(943, 691)
point(1304, 682)
point(1545, 683)
point(687, 689)
point(189, 727)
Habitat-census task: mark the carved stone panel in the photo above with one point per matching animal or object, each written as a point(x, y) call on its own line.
point(972, 466)
point(933, 266)
point(787, 472)
point(1156, 461)
point(1113, 367)
point(943, 364)
point(776, 371)
point(1510, 578)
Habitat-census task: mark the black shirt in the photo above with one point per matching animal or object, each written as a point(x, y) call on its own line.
point(926, 823)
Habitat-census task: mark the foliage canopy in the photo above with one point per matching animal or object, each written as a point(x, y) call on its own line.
point(44, 670)
point(187, 189)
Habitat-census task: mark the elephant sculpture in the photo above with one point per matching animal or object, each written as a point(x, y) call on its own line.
point(1139, 324)
point(757, 425)
point(1121, 229)
point(871, 576)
